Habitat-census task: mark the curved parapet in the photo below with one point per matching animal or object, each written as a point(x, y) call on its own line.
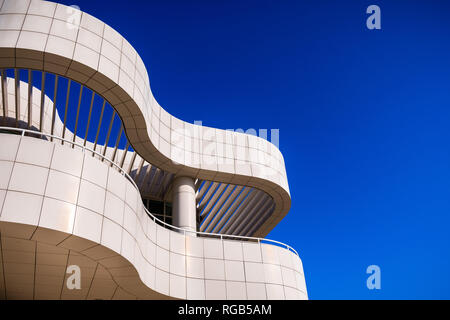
point(25, 106)
point(62, 205)
point(41, 35)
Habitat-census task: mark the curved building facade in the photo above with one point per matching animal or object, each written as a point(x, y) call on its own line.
point(95, 175)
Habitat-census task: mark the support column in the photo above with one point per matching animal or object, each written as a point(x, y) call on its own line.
point(184, 211)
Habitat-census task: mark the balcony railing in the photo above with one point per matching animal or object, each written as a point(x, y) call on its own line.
point(33, 133)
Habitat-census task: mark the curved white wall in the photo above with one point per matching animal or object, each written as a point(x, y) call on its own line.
point(38, 35)
point(53, 194)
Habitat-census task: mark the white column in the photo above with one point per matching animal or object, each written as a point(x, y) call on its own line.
point(184, 212)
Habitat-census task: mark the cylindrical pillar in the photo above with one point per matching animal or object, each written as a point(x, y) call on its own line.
point(184, 211)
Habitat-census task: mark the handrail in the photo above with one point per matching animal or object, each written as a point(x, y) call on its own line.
point(155, 219)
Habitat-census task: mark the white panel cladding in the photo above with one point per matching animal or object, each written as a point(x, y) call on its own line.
point(21, 208)
point(256, 291)
point(24, 177)
point(161, 260)
point(10, 144)
point(236, 290)
point(215, 290)
point(54, 189)
point(97, 56)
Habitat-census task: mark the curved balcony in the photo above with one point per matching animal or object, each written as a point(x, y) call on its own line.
point(128, 150)
point(64, 206)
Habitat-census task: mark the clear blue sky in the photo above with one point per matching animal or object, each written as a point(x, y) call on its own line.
point(363, 118)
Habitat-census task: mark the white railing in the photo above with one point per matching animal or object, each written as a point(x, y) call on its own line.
point(155, 219)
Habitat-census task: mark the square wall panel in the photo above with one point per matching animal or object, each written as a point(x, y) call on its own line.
point(132, 197)
point(2, 198)
point(162, 259)
point(275, 292)
point(292, 294)
point(35, 151)
point(62, 186)
point(214, 269)
point(297, 264)
point(111, 235)
point(150, 252)
point(128, 243)
point(177, 286)
point(129, 221)
point(114, 208)
point(8, 38)
point(10, 144)
point(27, 178)
point(285, 257)
point(215, 290)
point(42, 8)
point(195, 267)
point(177, 243)
point(13, 6)
point(57, 215)
point(213, 248)
point(256, 291)
point(254, 272)
point(91, 197)
point(177, 264)
point(232, 250)
point(116, 183)
point(194, 246)
point(88, 224)
point(236, 290)
point(21, 208)
point(195, 289)
point(162, 236)
point(151, 231)
point(252, 252)
point(162, 281)
point(288, 277)
point(94, 170)
point(270, 254)
point(6, 168)
point(92, 24)
point(272, 274)
point(67, 160)
point(234, 270)
point(300, 280)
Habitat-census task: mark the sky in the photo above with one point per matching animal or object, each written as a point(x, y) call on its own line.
point(363, 118)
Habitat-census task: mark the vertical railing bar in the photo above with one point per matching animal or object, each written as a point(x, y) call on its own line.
point(4, 95)
point(65, 110)
point(55, 94)
point(163, 182)
point(99, 124)
point(17, 93)
point(30, 98)
point(259, 240)
point(125, 151)
point(133, 158)
point(109, 133)
point(78, 114)
point(117, 143)
point(41, 119)
point(89, 118)
point(138, 172)
point(146, 174)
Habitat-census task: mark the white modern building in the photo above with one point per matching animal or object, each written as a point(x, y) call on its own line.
point(96, 175)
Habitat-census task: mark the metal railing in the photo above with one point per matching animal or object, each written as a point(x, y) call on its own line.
point(155, 219)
